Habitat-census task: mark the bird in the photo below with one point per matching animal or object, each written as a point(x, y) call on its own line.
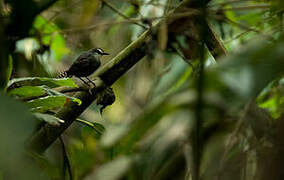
point(85, 65)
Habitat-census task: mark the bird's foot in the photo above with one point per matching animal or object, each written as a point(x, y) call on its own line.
point(91, 82)
point(94, 85)
point(86, 83)
point(91, 91)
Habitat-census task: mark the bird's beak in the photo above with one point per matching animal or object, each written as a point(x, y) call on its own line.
point(105, 53)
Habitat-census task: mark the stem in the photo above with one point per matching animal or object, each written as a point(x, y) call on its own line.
point(66, 162)
point(123, 15)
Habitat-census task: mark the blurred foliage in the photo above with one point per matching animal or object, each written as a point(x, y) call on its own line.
point(16, 127)
point(272, 98)
point(49, 119)
point(160, 126)
point(49, 35)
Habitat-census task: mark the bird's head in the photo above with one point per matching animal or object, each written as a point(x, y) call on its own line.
point(98, 52)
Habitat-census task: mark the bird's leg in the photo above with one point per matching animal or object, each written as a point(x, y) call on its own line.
point(84, 81)
point(91, 81)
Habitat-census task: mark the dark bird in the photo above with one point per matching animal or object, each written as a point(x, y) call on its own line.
point(87, 63)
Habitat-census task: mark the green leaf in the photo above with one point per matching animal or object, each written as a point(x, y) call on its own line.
point(52, 92)
point(38, 81)
point(51, 37)
point(54, 100)
point(274, 105)
point(272, 98)
point(99, 128)
point(27, 91)
point(44, 26)
point(58, 46)
point(50, 119)
point(46, 103)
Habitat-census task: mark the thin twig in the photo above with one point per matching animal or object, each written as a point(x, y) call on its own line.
point(180, 54)
point(123, 15)
point(227, 2)
point(193, 12)
point(232, 139)
point(66, 161)
point(272, 30)
point(94, 26)
point(58, 12)
point(198, 143)
point(161, 4)
point(260, 6)
point(236, 37)
point(243, 26)
point(89, 124)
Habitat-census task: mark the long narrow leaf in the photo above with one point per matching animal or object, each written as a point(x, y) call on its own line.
point(39, 81)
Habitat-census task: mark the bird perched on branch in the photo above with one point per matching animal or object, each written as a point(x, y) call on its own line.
point(87, 63)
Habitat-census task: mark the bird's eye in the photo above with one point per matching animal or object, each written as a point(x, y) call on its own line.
point(100, 51)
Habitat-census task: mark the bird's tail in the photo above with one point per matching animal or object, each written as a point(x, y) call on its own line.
point(64, 74)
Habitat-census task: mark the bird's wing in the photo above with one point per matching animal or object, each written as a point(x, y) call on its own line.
point(83, 61)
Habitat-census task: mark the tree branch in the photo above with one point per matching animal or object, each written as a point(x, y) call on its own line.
point(123, 15)
point(214, 43)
